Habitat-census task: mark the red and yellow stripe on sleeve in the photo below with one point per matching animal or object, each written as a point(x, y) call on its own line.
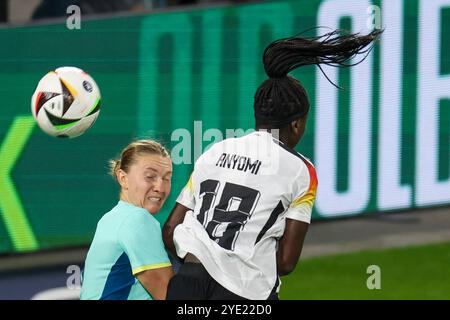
point(189, 186)
point(310, 196)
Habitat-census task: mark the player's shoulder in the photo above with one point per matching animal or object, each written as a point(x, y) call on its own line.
point(219, 145)
point(295, 156)
point(302, 166)
point(136, 216)
point(218, 148)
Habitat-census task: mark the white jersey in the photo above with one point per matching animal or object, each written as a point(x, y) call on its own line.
point(241, 192)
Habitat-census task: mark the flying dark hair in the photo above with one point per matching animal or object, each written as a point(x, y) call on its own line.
point(281, 98)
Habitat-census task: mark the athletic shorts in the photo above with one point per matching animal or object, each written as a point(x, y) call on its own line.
point(193, 282)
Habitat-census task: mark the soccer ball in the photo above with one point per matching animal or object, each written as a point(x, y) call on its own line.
point(66, 102)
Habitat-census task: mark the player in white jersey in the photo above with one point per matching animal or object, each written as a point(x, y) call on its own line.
point(241, 220)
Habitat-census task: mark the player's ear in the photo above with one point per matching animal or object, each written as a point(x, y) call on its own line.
point(298, 126)
point(295, 126)
point(122, 178)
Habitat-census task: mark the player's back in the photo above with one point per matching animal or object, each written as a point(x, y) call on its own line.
point(243, 190)
point(108, 270)
point(252, 180)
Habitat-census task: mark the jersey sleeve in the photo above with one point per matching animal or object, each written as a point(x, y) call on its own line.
point(141, 239)
point(303, 201)
point(187, 195)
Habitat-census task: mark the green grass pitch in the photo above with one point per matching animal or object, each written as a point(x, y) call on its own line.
point(418, 272)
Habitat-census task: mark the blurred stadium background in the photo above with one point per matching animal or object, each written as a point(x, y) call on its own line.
point(381, 145)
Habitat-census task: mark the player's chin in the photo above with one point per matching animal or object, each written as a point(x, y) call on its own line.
point(154, 206)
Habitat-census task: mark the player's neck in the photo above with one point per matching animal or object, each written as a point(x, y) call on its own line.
point(277, 134)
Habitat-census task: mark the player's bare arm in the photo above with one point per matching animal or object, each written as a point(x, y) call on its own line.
point(155, 281)
point(175, 218)
point(290, 246)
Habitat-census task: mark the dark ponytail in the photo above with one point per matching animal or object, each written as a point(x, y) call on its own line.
point(333, 49)
point(282, 99)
